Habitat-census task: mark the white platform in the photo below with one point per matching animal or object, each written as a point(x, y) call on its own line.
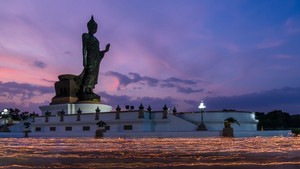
point(72, 108)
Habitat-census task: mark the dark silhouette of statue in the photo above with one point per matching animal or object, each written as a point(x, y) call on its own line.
point(71, 88)
point(92, 57)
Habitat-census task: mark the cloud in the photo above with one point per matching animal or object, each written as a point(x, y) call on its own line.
point(188, 90)
point(156, 103)
point(24, 96)
point(176, 80)
point(39, 64)
point(285, 98)
point(123, 79)
point(23, 91)
point(15, 95)
point(191, 102)
point(149, 80)
point(14, 86)
point(182, 85)
point(168, 85)
point(133, 78)
point(115, 100)
point(50, 81)
point(180, 89)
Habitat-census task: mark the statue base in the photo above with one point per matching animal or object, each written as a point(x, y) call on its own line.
point(68, 91)
point(89, 101)
point(72, 108)
point(88, 97)
point(228, 132)
point(65, 89)
point(99, 132)
point(60, 100)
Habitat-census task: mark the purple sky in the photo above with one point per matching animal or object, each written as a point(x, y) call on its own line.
point(234, 54)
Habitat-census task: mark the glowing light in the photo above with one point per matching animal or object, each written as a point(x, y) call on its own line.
point(202, 106)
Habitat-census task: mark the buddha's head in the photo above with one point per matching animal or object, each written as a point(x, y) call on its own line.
point(92, 26)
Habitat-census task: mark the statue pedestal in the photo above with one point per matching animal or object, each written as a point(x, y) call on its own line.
point(65, 89)
point(99, 132)
point(72, 108)
point(68, 91)
point(227, 130)
point(66, 98)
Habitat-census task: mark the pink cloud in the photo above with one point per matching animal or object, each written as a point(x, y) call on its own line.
point(21, 69)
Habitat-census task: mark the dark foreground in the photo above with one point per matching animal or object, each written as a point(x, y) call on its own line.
point(210, 153)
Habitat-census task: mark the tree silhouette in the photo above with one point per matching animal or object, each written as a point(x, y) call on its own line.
point(277, 120)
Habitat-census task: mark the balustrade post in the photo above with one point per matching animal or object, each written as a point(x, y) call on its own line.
point(141, 112)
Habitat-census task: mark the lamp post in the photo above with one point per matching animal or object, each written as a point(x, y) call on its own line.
point(202, 108)
point(5, 114)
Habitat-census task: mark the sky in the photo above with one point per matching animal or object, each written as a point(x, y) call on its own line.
point(233, 54)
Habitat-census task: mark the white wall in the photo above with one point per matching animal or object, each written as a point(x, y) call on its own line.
point(70, 108)
point(215, 120)
point(186, 122)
